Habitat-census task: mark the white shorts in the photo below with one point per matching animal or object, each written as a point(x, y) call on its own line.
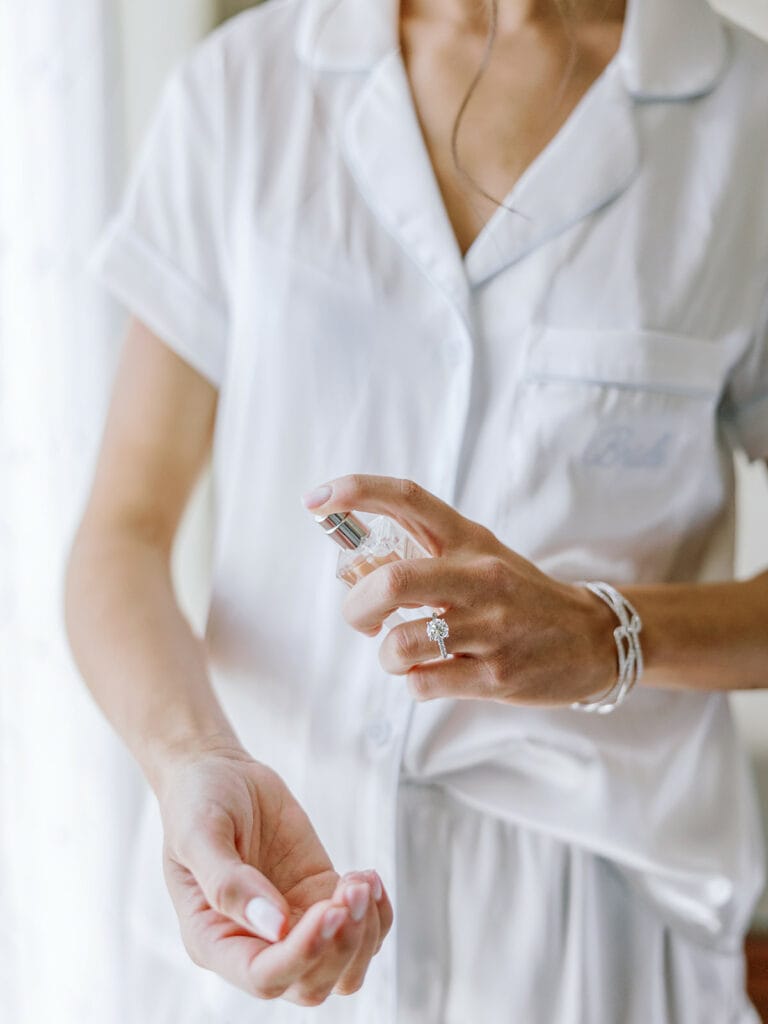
point(502, 925)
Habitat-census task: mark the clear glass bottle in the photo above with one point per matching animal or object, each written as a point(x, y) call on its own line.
point(366, 546)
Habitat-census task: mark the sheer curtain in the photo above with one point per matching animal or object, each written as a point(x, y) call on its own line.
point(70, 797)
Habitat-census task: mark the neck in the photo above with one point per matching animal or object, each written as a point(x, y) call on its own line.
point(513, 14)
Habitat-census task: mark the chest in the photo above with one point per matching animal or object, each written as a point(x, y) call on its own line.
point(488, 106)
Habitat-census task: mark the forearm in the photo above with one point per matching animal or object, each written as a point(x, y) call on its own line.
point(136, 651)
point(704, 636)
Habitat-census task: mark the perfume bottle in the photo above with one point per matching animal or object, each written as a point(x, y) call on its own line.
point(366, 546)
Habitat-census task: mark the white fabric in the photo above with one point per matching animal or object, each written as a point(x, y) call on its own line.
point(69, 792)
point(576, 384)
point(466, 955)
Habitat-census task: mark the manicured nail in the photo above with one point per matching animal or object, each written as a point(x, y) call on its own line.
point(357, 897)
point(376, 887)
point(333, 920)
point(312, 499)
point(266, 918)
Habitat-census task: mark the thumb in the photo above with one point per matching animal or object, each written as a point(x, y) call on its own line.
point(235, 888)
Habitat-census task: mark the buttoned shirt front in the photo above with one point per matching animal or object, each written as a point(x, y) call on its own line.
point(576, 383)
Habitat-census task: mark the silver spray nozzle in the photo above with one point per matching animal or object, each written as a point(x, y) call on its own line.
point(345, 528)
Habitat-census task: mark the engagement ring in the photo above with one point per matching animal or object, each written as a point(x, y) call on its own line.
point(437, 630)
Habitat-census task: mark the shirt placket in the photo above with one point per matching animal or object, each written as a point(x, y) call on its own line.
point(386, 730)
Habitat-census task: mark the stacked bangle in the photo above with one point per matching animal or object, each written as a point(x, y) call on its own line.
point(630, 655)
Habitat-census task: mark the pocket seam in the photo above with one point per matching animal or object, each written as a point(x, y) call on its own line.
point(623, 385)
point(651, 361)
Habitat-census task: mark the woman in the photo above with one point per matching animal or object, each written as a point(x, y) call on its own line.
point(532, 338)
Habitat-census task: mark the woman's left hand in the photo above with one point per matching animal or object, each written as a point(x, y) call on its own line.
point(516, 634)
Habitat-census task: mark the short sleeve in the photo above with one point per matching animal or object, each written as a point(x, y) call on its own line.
point(745, 405)
point(161, 254)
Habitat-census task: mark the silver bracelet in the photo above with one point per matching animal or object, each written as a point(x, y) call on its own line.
point(627, 647)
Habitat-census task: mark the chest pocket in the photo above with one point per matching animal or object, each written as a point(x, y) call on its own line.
point(615, 445)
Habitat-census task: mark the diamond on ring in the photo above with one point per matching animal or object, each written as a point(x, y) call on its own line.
point(437, 630)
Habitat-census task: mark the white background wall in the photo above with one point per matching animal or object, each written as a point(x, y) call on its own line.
point(153, 39)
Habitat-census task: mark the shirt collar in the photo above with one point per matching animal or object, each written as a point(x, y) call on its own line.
point(670, 49)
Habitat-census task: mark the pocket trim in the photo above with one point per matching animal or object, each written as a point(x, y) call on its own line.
point(630, 359)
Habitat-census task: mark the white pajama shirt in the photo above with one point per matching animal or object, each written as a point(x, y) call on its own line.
point(577, 383)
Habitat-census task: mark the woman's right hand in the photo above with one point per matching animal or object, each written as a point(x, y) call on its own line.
point(234, 834)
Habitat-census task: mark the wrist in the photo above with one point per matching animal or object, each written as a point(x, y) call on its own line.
point(629, 654)
point(596, 625)
point(160, 758)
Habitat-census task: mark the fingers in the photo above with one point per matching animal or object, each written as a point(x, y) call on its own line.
point(386, 915)
point(382, 904)
point(318, 948)
point(462, 676)
point(439, 583)
point(328, 949)
point(315, 955)
point(232, 887)
point(346, 976)
point(221, 948)
point(308, 965)
point(353, 975)
point(325, 933)
point(431, 521)
point(407, 645)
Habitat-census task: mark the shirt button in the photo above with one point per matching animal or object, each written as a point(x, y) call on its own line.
point(379, 732)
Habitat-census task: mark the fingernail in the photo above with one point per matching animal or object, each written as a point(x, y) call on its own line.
point(332, 921)
point(376, 886)
point(357, 897)
point(317, 497)
point(266, 918)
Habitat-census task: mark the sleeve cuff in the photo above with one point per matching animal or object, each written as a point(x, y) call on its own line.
point(163, 298)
